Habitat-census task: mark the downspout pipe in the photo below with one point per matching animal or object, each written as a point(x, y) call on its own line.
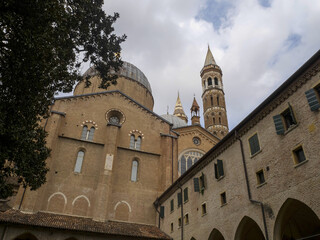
point(249, 190)
point(156, 205)
point(179, 186)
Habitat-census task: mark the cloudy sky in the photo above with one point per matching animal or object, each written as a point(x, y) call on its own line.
point(257, 43)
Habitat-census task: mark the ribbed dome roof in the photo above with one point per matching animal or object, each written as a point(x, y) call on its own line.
point(176, 121)
point(128, 70)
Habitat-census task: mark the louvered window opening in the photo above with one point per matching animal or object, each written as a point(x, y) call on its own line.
point(254, 144)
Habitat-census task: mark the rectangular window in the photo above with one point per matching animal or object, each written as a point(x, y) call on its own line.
point(204, 208)
point(196, 184)
point(179, 222)
point(218, 169)
point(171, 227)
point(179, 199)
point(171, 205)
point(284, 121)
point(185, 195)
point(254, 144)
point(202, 183)
point(299, 155)
point(186, 219)
point(161, 211)
point(313, 97)
point(223, 198)
point(260, 177)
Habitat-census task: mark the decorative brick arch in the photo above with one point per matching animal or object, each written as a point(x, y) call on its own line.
point(248, 229)
point(296, 220)
point(57, 202)
point(122, 210)
point(80, 205)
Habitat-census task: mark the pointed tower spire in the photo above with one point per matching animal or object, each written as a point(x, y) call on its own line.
point(209, 58)
point(195, 118)
point(214, 106)
point(178, 110)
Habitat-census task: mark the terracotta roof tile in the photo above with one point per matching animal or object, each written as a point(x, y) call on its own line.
point(43, 219)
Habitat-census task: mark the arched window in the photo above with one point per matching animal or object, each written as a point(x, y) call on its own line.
point(218, 102)
point(132, 140)
point(134, 170)
point(77, 167)
point(188, 159)
point(216, 81)
point(209, 81)
point(91, 132)
point(211, 98)
point(138, 143)
point(135, 143)
point(84, 132)
point(87, 134)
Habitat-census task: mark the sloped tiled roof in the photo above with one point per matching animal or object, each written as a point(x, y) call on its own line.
point(72, 223)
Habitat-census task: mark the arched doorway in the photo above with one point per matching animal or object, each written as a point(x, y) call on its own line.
point(296, 220)
point(248, 229)
point(26, 236)
point(215, 235)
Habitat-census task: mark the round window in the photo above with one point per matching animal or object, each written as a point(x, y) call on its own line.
point(114, 120)
point(196, 141)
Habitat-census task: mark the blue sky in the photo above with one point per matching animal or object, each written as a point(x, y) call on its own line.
point(257, 43)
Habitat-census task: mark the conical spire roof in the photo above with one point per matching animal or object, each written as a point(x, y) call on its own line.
point(194, 103)
point(209, 58)
point(178, 110)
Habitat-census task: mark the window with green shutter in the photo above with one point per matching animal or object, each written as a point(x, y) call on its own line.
point(161, 211)
point(196, 184)
point(313, 97)
point(254, 144)
point(284, 121)
point(179, 199)
point(218, 169)
point(185, 195)
point(171, 205)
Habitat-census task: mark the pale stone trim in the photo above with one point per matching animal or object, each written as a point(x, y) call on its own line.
point(64, 196)
point(118, 203)
point(81, 196)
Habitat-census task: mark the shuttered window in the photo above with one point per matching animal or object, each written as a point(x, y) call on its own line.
point(185, 195)
point(313, 97)
point(179, 199)
point(171, 205)
point(277, 119)
point(161, 211)
point(218, 169)
point(254, 144)
point(284, 121)
point(196, 184)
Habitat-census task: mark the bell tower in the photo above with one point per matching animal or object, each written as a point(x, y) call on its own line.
point(214, 106)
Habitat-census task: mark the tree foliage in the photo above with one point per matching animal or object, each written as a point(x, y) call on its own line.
point(43, 43)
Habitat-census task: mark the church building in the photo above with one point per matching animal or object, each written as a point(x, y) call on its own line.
point(118, 170)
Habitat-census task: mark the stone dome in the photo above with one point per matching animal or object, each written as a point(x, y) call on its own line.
point(127, 70)
point(176, 121)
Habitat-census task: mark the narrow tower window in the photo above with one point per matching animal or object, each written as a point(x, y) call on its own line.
point(138, 143)
point(218, 102)
point(134, 171)
point(219, 120)
point(216, 81)
point(209, 81)
point(91, 132)
point(78, 166)
point(84, 132)
point(87, 134)
point(213, 121)
point(132, 141)
point(211, 98)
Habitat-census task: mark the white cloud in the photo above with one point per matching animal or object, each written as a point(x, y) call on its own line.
point(168, 40)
